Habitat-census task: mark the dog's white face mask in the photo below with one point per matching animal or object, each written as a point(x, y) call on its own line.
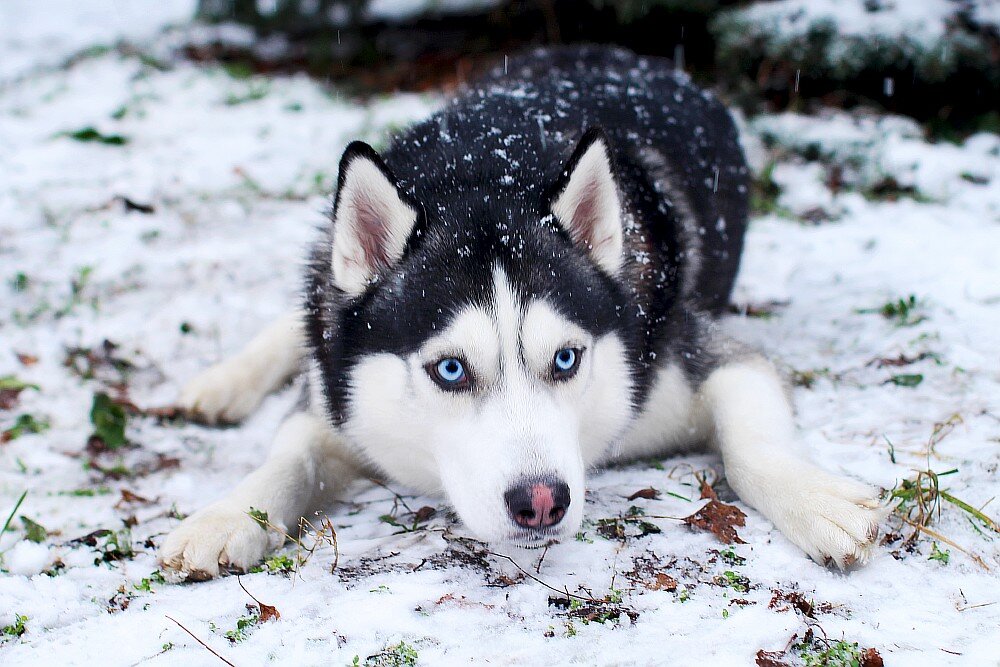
point(505, 406)
point(503, 411)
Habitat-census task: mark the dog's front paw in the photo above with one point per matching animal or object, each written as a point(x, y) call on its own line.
point(833, 519)
point(221, 534)
point(224, 393)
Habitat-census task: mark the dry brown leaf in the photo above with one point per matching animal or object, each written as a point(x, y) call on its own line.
point(771, 659)
point(719, 519)
point(648, 494)
point(424, 513)
point(664, 582)
point(267, 612)
point(8, 398)
point(132, 497)
point(871, 658)
point(26, 359)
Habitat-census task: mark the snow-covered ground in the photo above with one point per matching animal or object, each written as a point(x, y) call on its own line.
point(237, 172)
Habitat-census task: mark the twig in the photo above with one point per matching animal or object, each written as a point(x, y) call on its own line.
point(246, 591)
point(941, 538)
point(207, 647)
point(385, 486)
point(564, 591)
point(538, 566)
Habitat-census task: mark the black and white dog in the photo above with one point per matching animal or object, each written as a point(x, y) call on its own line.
point(519, 289)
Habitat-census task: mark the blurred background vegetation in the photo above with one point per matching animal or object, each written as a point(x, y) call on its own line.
point(786, 55)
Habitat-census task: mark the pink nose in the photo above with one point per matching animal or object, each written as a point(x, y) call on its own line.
point(538, 504)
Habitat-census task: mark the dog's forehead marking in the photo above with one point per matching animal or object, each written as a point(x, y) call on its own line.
point(508, 315)
point(507, 335)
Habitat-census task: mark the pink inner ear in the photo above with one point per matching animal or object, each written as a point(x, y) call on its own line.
point(372, 232)
point(584, 220)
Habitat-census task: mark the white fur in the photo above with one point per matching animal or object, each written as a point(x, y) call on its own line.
point(673, 418)
point(307, 460)
point(517, 422)
point(229, 391)
point(589, 208)
point(370, 214)
point(833, 519)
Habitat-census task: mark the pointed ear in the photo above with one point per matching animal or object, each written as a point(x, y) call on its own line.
point(372, 219)
point(586, 202)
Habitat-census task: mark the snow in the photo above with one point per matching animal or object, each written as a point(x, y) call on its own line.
point(27, 558)
point(843, 37)
point(40, 33)
point(238, 189)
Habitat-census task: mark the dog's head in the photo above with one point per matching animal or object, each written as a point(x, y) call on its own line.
point(475, 346)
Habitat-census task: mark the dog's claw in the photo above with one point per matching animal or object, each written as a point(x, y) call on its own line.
point(833, 519)
point(219, 535)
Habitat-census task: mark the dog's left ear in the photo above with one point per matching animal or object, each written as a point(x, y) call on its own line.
point(372, 219)
point(586, 202)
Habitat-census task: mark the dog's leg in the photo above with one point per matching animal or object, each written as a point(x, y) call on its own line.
point(232, 389)
point(308, 461)
point(832, 518)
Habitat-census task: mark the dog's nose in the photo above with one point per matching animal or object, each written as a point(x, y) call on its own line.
point(538, 504)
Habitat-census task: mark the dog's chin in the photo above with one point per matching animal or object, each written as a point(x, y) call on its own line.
point(535, 539)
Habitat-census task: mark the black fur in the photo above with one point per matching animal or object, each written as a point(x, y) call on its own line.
point(482, 173)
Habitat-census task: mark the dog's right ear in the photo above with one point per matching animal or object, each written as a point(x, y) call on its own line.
point(372, 219)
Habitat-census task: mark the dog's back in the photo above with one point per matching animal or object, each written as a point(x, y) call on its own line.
point(676, 150)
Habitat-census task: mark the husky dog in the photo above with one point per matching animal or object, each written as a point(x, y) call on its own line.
point(519, 289)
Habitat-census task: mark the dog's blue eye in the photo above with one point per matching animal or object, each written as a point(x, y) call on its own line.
point(565, 363)
point(450, 373)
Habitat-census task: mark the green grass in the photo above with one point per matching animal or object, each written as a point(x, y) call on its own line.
point(10, 382)
point(904, 312)
point(244, 626)
point(15, 629)
point(109, 421)
point(833, 654)
point(277, 564)
point(734, 580)
point(260, 517)
point(906, 380)
point(146, 584)
point(940, 555)
point(10, 517)
point(91, 134)
point(23, 425)
point(396, 655)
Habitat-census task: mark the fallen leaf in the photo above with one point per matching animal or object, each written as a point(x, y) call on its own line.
point(26, 359)
point(424, 513)
point(10, 389)
point(707, 492)
point(871, 658)
point(719, 519)
point(34, 531)
point(664, 582)
point(267, 612)
point(648, 494)
point(132, 497)
point(8, 398)
point(771, 659)
point(796, 600)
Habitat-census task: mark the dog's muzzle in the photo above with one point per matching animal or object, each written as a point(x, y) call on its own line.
point(539, 503)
